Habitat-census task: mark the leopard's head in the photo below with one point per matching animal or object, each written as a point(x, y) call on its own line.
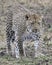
point(33, 22)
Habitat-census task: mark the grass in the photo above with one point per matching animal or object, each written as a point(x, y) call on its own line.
point(8, 60)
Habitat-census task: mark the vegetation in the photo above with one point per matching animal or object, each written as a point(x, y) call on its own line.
point(43, 60)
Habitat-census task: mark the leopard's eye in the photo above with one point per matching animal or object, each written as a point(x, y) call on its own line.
point(32, 23)
point(26, 17)
point(38, 23)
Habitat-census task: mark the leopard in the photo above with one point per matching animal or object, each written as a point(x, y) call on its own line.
point(29, 25)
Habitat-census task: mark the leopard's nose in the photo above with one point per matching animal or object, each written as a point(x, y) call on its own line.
point(34, 30)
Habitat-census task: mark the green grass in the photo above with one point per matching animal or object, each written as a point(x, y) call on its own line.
point(8, 60)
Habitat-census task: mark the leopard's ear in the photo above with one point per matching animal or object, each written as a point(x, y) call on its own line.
point(27, 16)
